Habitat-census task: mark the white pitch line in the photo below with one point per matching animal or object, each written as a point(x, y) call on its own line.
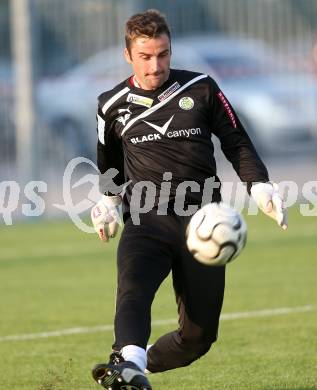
point(171, 321)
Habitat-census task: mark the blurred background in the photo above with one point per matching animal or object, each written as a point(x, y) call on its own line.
point(56, 56)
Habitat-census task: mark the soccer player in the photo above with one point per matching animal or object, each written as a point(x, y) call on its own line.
point(155, 129)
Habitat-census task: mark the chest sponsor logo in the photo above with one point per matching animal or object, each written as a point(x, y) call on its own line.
point(165, 94)
point(126, 115)
point(161, 129)
point(186, 103)
point(141, 100)
point(164, 132)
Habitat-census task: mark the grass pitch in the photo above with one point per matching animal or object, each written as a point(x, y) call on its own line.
point(54, 277)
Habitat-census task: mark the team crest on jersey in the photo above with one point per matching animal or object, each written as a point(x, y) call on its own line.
point(125, 117)
point(165, 94)
point(186, 103)
point(141, 100)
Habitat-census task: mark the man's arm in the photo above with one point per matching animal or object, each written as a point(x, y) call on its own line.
point(109, 149)
point(105, 214)
point(234, 140)
point(239, 150)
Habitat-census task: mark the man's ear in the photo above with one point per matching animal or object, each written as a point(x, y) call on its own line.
point(127, 56)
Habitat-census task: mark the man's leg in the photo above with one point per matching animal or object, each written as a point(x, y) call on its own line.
point(199, 291)
point(144, 261)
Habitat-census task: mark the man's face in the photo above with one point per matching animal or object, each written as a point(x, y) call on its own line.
point(150, 59)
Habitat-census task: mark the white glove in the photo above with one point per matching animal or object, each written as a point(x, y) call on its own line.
point(105, 217)
point(270, 202)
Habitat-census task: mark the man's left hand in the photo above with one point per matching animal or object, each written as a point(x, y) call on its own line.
point(268, 199)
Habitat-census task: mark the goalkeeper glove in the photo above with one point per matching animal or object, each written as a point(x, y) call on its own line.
point(105, 217)
point(270, 202)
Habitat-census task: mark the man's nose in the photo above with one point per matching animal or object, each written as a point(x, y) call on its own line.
point(154, 64)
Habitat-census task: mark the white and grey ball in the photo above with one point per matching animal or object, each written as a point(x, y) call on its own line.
point(216, 234)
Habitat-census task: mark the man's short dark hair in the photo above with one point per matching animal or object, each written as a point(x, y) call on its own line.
point(150, 23)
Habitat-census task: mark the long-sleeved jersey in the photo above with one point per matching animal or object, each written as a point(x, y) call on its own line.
point(144, 134)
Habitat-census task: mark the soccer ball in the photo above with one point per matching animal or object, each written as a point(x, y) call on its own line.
point(216, 234)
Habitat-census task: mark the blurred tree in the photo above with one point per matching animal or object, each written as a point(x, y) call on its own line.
point(308, 8)
point(4, 30)
point(184, 16)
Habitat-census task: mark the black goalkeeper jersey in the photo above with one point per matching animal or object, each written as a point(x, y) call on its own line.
point(144, 134)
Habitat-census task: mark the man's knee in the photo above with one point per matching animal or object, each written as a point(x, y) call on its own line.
point(194, 348)
point(177, 350)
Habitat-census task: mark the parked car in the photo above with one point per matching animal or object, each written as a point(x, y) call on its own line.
point(68, 103)
point(277, 107)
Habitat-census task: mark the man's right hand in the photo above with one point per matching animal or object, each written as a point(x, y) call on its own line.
point(105, 217)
